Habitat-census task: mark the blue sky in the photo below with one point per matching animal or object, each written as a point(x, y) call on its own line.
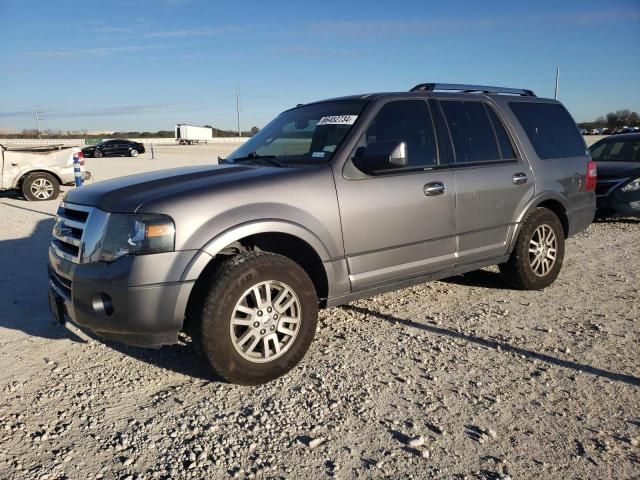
point(147, 64)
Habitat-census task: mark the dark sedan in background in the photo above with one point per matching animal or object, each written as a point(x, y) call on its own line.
point(114, 148)
point(618, 187)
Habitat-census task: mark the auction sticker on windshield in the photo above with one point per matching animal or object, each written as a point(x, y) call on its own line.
point(338, 120)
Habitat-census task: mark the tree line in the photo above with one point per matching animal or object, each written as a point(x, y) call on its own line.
point(614, 120)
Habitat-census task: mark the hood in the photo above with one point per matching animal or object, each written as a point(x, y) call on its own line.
point(128, 194)
point(618, 169)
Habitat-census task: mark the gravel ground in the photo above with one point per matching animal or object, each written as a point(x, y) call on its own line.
point(455, 379)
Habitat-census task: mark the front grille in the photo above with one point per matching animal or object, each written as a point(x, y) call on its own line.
point(61, 285)
point(68, 231)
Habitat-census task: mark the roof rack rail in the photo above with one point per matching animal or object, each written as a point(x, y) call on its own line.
point(430, 87)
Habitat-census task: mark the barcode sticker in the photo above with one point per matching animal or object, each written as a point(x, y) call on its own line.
point(338, 120)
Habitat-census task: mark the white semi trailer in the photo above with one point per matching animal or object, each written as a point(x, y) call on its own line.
point(190, 134)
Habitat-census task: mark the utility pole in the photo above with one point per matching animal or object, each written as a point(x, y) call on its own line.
point(557, 82)
point(238, 110)
point(37, 120)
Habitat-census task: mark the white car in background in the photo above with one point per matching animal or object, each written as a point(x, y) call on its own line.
point(38, 172)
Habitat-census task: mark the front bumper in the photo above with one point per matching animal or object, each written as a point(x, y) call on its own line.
point(119, 301)
point(618, 204)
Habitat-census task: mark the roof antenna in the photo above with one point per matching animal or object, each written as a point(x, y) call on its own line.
point(557, 82)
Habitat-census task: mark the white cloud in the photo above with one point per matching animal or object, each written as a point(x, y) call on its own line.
point(196, 32)
point(119, 110)
point(313, 52)
point(16, 113)
point(108, 111)
point(92, 52)
point(111, 29)
point(429, 25)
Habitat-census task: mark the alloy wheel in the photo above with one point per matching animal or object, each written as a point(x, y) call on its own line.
point(543, 248)
point(42, 188)
point(265, 321)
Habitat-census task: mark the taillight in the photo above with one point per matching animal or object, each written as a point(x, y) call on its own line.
point(78, 157)
point(592, 176)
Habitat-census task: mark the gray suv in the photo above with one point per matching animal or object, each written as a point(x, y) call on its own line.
point(331, 202)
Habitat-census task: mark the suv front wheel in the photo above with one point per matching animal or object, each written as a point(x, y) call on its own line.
point(537, 257)
point(257, 319)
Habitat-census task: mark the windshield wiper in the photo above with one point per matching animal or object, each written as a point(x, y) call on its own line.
point(253, 156)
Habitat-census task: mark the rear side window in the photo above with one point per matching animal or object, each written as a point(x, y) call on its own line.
point(617, 150)
point(550, 128)
point(506, 148)
point(476, 132)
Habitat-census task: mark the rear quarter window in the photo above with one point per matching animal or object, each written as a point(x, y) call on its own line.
point(550, 128)
point(471, 131)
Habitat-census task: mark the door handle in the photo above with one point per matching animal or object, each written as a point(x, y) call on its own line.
point(434, 188)
point(520, 178)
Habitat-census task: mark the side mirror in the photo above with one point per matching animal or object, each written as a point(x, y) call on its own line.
point(381, 156)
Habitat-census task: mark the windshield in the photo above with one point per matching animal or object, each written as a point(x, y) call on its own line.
point(616, 150)
point(305, 135)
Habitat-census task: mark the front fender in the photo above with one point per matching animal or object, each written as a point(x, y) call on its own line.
point(219, 242)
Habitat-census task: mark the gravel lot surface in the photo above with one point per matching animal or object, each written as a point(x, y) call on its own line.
point(455, 379)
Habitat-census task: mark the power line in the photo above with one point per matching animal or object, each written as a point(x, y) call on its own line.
point(238, 110)
point(37, 119)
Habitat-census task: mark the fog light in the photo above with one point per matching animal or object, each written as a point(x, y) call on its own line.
point(102, 304)
point(635, 205)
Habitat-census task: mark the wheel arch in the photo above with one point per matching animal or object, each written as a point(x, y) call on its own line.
point(22, 177)
point(560, 211)
point(284, 238)
point(549, 200)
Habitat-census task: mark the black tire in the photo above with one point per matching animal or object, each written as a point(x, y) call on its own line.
point(518, 272)
point(133, 152)
point(97, 153)
point(40, 186)
point(227, 285)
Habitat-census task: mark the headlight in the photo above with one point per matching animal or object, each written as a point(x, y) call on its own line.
point(632, 186)
point(137, 234)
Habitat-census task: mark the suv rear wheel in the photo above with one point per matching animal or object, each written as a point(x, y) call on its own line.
point(40, 186)
point(537, 257)
point(257, 319)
